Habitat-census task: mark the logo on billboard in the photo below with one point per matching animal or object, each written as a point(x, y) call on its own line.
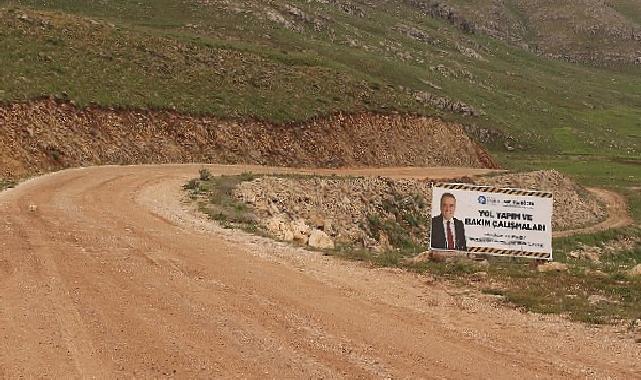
point(485, 200)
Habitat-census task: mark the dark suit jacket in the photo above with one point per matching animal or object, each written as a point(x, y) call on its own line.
point(439, 240)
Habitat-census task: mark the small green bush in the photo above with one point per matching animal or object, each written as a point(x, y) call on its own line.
point(205, 174)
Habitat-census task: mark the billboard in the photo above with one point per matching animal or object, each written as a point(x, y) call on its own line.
point(491, 220)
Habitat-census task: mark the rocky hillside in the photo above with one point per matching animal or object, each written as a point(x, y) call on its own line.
point(592, 31)
point(380, 213)
point(48, 135)
point(295, 60)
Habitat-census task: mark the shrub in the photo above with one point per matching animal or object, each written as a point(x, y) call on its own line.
point(205, 174)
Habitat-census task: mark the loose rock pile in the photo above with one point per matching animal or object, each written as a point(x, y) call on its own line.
point(354, 211)
point(380, 213)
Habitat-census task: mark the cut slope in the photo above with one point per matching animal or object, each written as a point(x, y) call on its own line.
point(47, 135)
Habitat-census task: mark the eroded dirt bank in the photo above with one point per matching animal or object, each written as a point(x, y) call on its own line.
point(47, 135)
point(111, 277)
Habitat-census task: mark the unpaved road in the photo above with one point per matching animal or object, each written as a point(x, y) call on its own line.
point(112, 278)
point(616, 207)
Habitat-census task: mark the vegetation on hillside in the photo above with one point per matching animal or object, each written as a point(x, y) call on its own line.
point(591, 31)
point(293, 60)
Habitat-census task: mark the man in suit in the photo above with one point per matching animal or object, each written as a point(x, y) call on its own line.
point(447, 231)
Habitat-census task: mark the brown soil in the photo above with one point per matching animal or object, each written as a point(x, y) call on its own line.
point(111, 277)
point(45, 135)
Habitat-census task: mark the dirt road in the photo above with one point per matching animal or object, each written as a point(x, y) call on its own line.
point(110, 277)
point(616, 207)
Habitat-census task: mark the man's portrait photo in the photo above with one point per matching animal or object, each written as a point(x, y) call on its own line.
point(447, 231)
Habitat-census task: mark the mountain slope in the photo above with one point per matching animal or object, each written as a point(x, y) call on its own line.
point(593, 31)
point(284, 61)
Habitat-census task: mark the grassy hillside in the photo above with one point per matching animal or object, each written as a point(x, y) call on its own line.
point(592, 31)
point(282, 61)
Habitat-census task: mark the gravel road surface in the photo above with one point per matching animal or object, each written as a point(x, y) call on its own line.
point(111, 276)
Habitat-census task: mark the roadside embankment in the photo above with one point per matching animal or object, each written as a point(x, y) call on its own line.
point(375, 213)
point(47, 135)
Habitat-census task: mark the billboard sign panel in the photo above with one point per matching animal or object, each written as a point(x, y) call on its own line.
point(491, 220)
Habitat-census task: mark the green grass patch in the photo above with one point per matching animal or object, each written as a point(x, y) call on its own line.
point(215, 198)
point(7, 184)
point(580, 294)
point(588, 170)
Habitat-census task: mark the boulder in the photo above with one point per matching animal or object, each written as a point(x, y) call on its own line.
point(319, 239)
point(274, 223)
point(586, 254)
point(419, 258)
point(286, 234)
point(300, 230)
point(279, 228)
point(317, 221)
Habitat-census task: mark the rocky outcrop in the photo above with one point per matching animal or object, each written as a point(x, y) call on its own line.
point(319, 239)
point(438, 9)
point(48, 135)
point(591, 31)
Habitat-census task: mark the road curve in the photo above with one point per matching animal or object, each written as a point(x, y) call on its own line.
point(111, 278)
point(618, 214)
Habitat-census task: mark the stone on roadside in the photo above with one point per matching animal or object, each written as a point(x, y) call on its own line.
point(552, 267)
point(286, 234)
point(279, 228)
point(274, 223)
point(317, 221)
point(590, 255)
point(300, 230)
point(441, 256)
point(419, 258)
point(596, 298)
point(319, 239)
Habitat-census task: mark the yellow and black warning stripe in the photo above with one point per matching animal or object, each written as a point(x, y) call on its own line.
point(511, 253)
point(490, 189)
